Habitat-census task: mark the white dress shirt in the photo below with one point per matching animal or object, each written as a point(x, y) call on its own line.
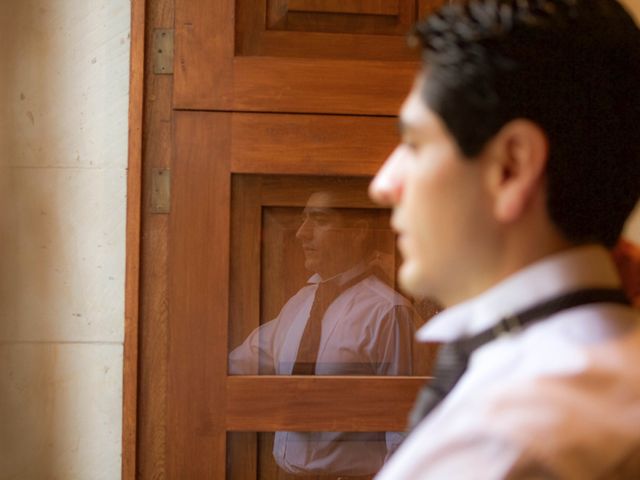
point(367, 330)
point(560, 399)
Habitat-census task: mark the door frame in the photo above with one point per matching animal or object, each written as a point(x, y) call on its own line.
point(147, 281)
point(133, 230)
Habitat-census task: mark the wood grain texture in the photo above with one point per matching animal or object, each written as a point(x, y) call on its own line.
point(426, 7)
point(198, 296)
point(328, 46)
point(282, 260)
point(208, 75)
point(204, 39)
point(132, 273)
point(320, 86)
point(244, 280)
point(367, 7)
point(310, 144)
point(184, 298)
point(332, 36)
point(383, 18)
point(242, 458)
point(319, 403)
point(268, 467)
point(349, 192)
point(335, 23)
point(153, 329)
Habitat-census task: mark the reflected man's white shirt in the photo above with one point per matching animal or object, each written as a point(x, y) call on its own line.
point(560, 399)
point(367, 330)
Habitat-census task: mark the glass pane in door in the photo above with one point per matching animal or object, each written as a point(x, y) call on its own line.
point(315, 294)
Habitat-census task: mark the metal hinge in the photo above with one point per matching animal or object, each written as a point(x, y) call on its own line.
point(160, 190)
point(163, 51)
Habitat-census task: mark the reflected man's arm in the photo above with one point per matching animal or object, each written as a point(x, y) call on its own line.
point(398, 333)
point(255, 355)
point(396, 337)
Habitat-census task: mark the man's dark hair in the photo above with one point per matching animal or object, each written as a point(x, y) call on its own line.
point(570, 66)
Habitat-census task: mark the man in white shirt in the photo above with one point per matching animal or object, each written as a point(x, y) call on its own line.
point(365, 328)
point(518, 165)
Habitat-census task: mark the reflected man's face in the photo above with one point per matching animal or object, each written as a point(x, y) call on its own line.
point(437, 203)
point(330, 244)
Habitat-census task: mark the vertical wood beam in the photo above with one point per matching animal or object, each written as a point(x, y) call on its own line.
point(132, 267)
point(198, 296)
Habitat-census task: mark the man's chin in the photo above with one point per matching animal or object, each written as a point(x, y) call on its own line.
point(311, 265)
point(412, 280)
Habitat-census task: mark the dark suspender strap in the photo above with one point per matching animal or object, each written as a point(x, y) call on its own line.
point(514, 323)
point(453, 357)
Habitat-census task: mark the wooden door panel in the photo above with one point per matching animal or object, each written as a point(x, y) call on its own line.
point(259, 97)
point(310, 144)
point(294, 56)
point(267, 266)
point(198, 297)
point(391, 17)
point(279, 9)
point(311, 29)
point(203, 402)
point(243, 458)
point(319, 403)
point(278, 43)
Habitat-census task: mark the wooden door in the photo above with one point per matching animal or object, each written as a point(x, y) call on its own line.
point(273, 100)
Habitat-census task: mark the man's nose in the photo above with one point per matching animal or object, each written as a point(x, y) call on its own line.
point(386, 187)
point(304, 230)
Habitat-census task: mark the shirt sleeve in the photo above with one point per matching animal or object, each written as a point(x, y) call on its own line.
point(395, 341)
point(255, 355)
point(470, 457)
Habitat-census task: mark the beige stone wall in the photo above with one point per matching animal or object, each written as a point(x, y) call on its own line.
point(63, 147)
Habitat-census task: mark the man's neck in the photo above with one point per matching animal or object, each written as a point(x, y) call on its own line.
point(515, 252)
point(350, 270)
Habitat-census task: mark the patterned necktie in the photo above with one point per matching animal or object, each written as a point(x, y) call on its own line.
point(326, 294)
point(453, 357)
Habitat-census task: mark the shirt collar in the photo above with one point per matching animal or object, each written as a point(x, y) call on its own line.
point(341, 278)
point(579, 267)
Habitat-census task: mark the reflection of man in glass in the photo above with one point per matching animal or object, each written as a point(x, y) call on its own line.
point(345, 321)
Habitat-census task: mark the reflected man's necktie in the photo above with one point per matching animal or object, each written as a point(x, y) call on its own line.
point(326, 294)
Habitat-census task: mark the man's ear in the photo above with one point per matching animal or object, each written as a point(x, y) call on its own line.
point(517, 158)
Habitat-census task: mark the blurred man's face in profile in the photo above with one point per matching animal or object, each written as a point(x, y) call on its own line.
point(331, 242)
point(439, 207)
